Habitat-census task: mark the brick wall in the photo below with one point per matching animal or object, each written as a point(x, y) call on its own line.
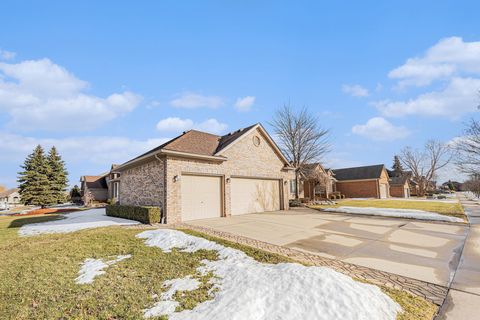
point(358, 189)
point(143, 185)
point(397, 191)
point(244, 159)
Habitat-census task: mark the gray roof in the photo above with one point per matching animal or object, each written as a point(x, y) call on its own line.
point(401, 180)
point(359, 173)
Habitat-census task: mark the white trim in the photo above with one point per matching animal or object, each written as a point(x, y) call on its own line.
point(192, 155)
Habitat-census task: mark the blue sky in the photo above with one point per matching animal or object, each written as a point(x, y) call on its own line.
point(104, 81)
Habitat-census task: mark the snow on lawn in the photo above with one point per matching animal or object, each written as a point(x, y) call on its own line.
point(93, 218)
point(398, 213)
point(247, 289)
point(95, 267)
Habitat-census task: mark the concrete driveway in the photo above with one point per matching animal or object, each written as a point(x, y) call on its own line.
point(425, 251)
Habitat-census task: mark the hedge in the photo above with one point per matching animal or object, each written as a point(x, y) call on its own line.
point(143, 214)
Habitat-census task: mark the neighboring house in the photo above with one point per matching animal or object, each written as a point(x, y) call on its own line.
point(9, 198)
point(200, 175)
point(399, 186)
point(315, 182)
point(363, 182)
point(94, 189)
point(113, 183)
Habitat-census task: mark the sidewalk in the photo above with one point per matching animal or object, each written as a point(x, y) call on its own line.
point(464, 296)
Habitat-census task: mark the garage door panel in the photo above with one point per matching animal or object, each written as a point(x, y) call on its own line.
point(383, 191)
point(254, 195)
point(201, 197)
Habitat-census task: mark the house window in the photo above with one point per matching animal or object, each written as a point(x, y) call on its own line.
point(293, 187)
point(116, 186)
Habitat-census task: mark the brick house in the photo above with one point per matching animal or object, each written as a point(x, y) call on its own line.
point(316, 182)
point(94, 189)
point(10, 198)
point(363, 182)
point(200, 175)
point(399, 187)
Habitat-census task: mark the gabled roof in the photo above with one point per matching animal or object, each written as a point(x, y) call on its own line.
point(95, 182)
point(359, 173)
point(401, 180)
point(8, 192)
point(194, 142)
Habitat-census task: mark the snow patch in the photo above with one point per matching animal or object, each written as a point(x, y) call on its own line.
point(168, 304)
point(95, 267)
point(398, 213)
point(247, 289)
point(93, 218)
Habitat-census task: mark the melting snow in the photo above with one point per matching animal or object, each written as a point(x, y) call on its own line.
point(74, 221)
point(168, 304)
point(95, 267)
point(398, 213)
point(248, 289)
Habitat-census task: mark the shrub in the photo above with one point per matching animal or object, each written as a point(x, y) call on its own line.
point(295, 203)
point(143, 214)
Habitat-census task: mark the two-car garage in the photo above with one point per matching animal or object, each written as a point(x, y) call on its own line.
point(203, 196)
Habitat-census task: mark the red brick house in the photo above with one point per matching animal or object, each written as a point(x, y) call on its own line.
point(363, 182)
point(399, 187)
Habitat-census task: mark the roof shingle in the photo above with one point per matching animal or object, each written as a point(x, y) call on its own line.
point(359, 173)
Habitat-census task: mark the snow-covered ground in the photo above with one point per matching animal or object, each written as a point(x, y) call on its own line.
point(398, 213)
point(93, 218)
point(95, 267)
point(450, 199)
point(247, 289)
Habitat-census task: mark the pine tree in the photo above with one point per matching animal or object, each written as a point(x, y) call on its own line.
point(397, 167)
point(57, 175)
point(34, 184)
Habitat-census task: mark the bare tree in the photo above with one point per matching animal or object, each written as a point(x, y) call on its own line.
point(468, 147)
point(301, 138)
point(424, 164)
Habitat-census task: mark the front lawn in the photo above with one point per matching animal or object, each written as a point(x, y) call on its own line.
point(453, 209)
point(38, 274)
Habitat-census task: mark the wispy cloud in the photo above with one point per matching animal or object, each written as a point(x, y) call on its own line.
point(190, 100)
point(380, 129)
point(355, 90)
point(174, 124)
point(245, 103)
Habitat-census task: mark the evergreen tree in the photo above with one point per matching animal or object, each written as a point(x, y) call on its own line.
point(57, 175)
point(397, 167)
point(34, 184)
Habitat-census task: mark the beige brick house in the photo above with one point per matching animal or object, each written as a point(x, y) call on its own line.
point(363, 182)
point(200, 175)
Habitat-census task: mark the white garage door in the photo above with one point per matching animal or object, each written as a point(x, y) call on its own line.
point(201, 197)
point(383, 191)
point(254, 195)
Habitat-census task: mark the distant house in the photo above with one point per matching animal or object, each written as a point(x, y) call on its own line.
point(94, 189)
point(363, 182)
point(101, 188)
point(400, 187)
point(10, 198)
point(316, 182)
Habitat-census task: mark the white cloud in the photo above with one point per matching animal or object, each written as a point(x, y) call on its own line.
point(355, 90)
point(174, 124)
point(212, 126)
point(449, 57)
point(245, 103)
point(41, 95)
point(7, 55)
point(380, 129)
point(458, 97)
point(189, 100)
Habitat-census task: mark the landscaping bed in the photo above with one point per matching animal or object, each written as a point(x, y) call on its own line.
point(38, 274)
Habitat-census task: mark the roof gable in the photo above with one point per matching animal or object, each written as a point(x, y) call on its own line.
point(359, 173)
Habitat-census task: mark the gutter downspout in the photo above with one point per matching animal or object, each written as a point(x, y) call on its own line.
point(162, 218)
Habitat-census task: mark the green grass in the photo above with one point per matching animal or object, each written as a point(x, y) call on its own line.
point(37, 274)
point(445, 208)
